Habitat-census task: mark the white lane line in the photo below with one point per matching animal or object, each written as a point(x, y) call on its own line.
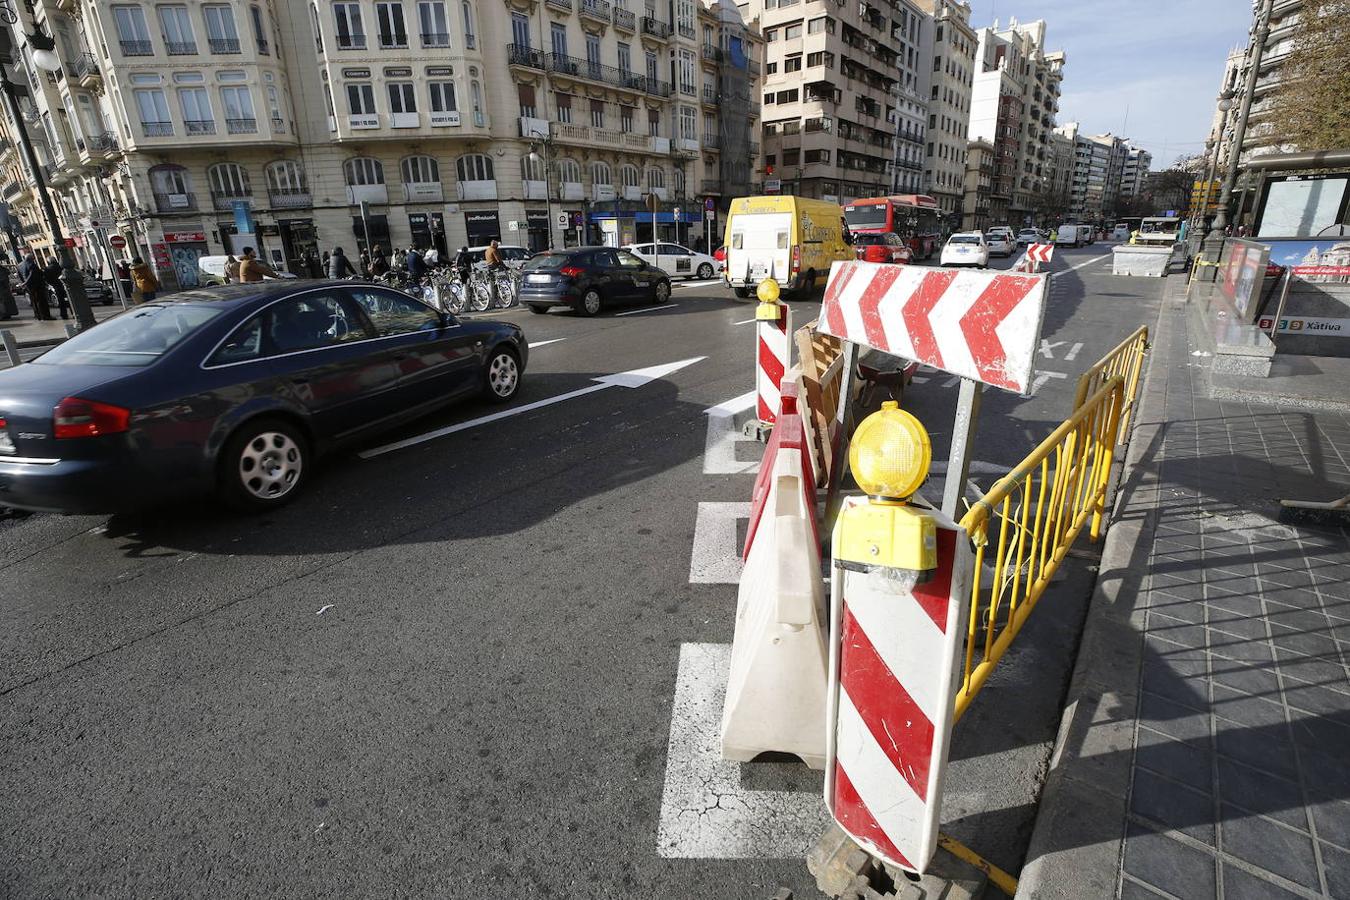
point(1042, 377)
point(716, 555)
point(638, 312)
point(1073, 352)
point(705, 813)
point(1080, 265)
point(745, 322)
point(719, 448)
point(535, 344)
point(699, 283)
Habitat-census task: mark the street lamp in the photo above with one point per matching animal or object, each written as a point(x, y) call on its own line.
point(534, 157)
point(43, 50)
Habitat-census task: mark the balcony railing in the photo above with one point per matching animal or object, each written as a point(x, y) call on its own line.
point(521, 55)
point(289, 198)
point(241, 126)
point(157, 129)
point(687, 30)
point(85, 65)
point(225, 202)
point(709, 94)
point(199, 126)
point(655, 27)
point(137, 48)
point(435, 39)
point(105, 142)
point(180, 48)
point(565, 5)
point(711, 52)
point(393, 41)
point(224, 45)
point(711, 142)
point(625, 19)
point(596, 9)
point(351, 42)
point(175, 202)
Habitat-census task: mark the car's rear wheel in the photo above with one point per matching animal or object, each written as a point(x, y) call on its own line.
point(591, 303)
point(501, 375)
point(705, 271)
point(263, 465)
point(742, 292)
point(662, 292)
point(538, 309)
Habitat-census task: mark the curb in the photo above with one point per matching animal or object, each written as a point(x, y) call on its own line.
point(1086, 789)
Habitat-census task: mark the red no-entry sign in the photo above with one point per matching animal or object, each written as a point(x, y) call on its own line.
point(116, 241)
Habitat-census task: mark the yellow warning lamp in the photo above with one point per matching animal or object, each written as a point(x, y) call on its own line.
point(768, 293)
point(889, 456)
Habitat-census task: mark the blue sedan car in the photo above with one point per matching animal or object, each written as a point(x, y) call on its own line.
point(234, 390)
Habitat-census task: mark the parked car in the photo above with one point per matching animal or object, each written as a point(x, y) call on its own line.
point(966, 248)
point(1120, 233)
point(234, 390)
point(97, 291)
point(677, 261)
point(589, 279)
point(881, 247)
point(1028, 236)
point(1000, 241)
point(1073, 235)
point(512, 254)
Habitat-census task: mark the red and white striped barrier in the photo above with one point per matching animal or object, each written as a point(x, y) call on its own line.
point(775, 698)
point(893, 680)
point(980, 325)
point(1041, 253)
point(773, 355)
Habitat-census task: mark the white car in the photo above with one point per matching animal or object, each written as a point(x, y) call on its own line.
point(1028, 236)
point(1001, 241)
point(677, 261)
point(966, 249)
point(513, 255)
point(1120, 233)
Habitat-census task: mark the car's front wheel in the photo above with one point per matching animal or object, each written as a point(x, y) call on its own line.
point(263, 465)
point(705, 271)
point(501, 376)
point(662, 292)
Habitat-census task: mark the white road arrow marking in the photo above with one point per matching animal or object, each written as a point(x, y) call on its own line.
point(716, 554)
point(1042, 377)
point(633, 379)
point(1047, 348)
point(705, 813)
point(1073, 351)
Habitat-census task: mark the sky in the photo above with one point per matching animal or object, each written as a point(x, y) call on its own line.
point(1146, 70)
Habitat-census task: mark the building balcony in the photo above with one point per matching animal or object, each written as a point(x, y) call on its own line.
point(572, 133)
point(563, 5)
point(625, 20)
point(572, 190)
point(181, 48)
point(198, 126)
point(103, 144)
point(662, 193)
point(687, 144)
point(710, 186)
point(394, 41)
point(367, 193)
point(686, 31)
point(86, 70)
point(598, 10)
point(435, 39)
point(522, 55)
point(709, 95)
point(137, 48)
point(157, 129)
point(655, 27)
point(603, 193)
point(175, 203)
point(405, 120)
point(711, 142)
point(241, 126)
point(226, 202)
point(352, 42)
point(535, 190)
point(533, 128)
point(632, 192)
point(424, 192)
point(712, 53)
point(289, 198)
point(477, 190)
point(660, 145)
point(225, 46)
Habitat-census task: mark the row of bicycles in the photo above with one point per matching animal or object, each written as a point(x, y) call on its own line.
point(445, 289)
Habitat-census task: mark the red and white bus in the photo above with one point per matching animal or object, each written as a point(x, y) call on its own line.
point(915, 217)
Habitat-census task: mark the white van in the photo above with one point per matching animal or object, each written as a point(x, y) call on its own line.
point(1161, 230)
point(1073, 235)
point(1120, 233)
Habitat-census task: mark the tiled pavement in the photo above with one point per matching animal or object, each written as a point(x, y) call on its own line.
point(1218, 746)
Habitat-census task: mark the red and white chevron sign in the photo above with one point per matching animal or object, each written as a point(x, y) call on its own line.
point(1040, 252)
point(980, 325)
point(893, 679)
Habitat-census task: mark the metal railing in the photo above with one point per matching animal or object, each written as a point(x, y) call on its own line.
point(199, 126)
point(175, 202)
point(1023, 528)
point(159, 129)
point(225, 202)
point(180, 48)
point(435, 39)
point(1125, 360)
point(289, 198)
point(389, 41)
point(625, 19)
point(223, 45)
point(137, 48)
point(86, 64)
point(241, 126)
point(655, 27)
point(596, 9)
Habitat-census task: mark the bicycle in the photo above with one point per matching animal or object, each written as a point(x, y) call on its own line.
point(508, 287)
point(479, 291)
point(449, 293)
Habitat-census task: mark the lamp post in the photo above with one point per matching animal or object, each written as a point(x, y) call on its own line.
point(44, 57)
point(534, 156)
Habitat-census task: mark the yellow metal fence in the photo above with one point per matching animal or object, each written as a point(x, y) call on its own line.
point(1125, 360)
point(1023, 527)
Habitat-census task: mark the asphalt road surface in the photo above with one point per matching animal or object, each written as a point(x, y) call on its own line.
point(483, 664)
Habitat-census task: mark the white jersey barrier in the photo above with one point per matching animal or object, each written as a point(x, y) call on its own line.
point(775, 698)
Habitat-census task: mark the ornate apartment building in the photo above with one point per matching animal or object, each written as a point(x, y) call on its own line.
point(1014, 101)
point(846, 88)
point(953, 76)
point(199, 128)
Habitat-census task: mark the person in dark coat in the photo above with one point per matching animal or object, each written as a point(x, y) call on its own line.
point(312, 266)
point(379, 264)
point(417, 267)
point(8, 310)
point(339, 266)
point(58, 287)
point(35, 283)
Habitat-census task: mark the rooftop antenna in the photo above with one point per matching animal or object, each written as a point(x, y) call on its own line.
point(1125, 126)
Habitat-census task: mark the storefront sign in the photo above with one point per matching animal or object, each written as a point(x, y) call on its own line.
point(397, 72)
point(161, 256)
point(1322, 271)
point(355, 73)
point(440, 71)
point(181, 237)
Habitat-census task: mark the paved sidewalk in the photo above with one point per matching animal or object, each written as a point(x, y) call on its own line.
point(27, 330)
point(1205, 751)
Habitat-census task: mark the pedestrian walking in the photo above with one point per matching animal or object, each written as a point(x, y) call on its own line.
point(493, 258)
point(339, 266)
point(432, 257)
point(313, 268)
point(57, 287)
point(123, 274)
point(8, 308)
point(144, 280)
point(400, 260)
point(35, 283)
point(323, 262)
point(231, 269)
point(379, 264)
point(252, 270)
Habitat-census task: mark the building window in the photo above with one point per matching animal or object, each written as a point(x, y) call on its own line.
point(653, 123)
point(469, 40)
point(476, 98)
point(474, 167)
point(132, 33)
point(793, 63)
point(656, 178)
point(351, 32)
point(318, 30)
point(651, 67)
point(520, 30)
point(221, 34)
point(393, 31)
point(598, 113)
point(792, 156)
point(176, 25)
point(196, 106)
point(420, 170)
point(564, 104)
point(630, 176)
point(525, 94)
point(363, 170)
point(228, 180)
point(817, 156)
point(532, 167)
point(792, 32)
point(154, 111)
point(433, 23)
point(259, 29)
point(688, 124)
point(360, 99)
point(170, 180)
point(771, 68)
point(686, 73)
point(402, 97)
point(816, 26)
point(237, 103)
point(286, 177)
point(558, 38)
point(442, 96)
point(569, 171)
point(626, 119)
point(600, 174)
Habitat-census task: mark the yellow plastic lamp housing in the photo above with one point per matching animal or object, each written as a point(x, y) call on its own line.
point(887, 534)
point(768, 291)
point(890, 454)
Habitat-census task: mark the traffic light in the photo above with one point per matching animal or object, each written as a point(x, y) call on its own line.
point(768, 169)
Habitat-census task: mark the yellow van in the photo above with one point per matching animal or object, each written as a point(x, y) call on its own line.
point(793, 240)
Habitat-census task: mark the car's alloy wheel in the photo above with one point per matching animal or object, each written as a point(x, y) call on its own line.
point(270, 465)
point(590, 303)
point(705, 271)
point(502, 376)
point(662, 292)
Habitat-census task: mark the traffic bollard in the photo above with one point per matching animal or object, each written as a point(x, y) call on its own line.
point(773, 350)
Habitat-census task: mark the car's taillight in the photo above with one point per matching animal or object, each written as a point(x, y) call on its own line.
point(796, 259)
point(572, 271)
point(77, 418)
